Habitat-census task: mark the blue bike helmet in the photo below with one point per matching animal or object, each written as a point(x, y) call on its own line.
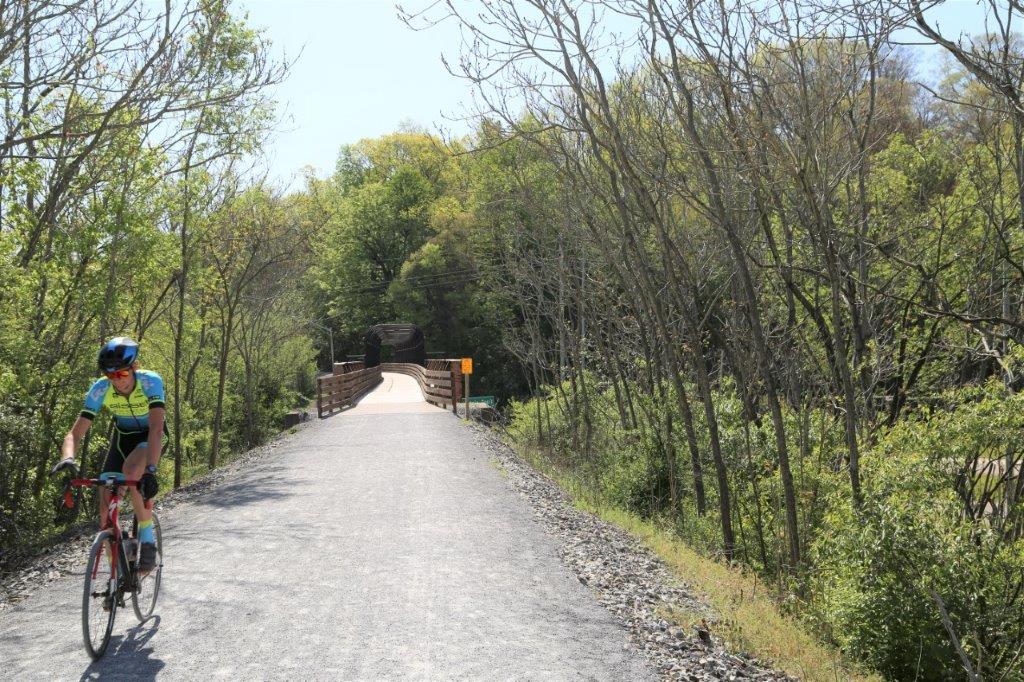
point(119, 352)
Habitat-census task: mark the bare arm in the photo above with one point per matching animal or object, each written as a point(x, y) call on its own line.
point(156, 432)
point(74, 437)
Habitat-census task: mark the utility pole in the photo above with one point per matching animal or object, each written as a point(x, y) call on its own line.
point(330, 333)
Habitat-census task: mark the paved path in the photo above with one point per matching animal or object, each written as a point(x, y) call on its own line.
point(396, 394)
point(366, 546)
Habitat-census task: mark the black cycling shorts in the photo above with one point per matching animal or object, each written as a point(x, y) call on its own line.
point(122, 444)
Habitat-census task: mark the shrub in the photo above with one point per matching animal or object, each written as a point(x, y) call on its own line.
point(878, 570)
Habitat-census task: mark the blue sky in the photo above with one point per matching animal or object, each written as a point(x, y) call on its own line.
point(362, 73)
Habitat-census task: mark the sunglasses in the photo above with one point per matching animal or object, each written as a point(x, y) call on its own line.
point(118, 374)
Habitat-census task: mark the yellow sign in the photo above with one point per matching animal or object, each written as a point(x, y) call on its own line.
point(467, 365)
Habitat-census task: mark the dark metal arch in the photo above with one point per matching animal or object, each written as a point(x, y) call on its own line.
point(406, 339)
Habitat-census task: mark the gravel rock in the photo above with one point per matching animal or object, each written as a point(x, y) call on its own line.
point(628, 579)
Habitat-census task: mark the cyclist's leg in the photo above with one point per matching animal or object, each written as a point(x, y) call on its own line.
point(134, 467)
point(113, 463)
point(104, 501)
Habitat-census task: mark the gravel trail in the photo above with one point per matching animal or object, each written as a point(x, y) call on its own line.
point(365, 546)
point(391, 541)
point(628, 579)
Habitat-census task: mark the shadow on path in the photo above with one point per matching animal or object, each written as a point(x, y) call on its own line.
point(251, 490)
point(128, 656)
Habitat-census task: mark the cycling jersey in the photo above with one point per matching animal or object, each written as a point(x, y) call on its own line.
point(131, 412)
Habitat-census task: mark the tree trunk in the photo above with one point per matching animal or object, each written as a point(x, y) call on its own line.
point(222, 373)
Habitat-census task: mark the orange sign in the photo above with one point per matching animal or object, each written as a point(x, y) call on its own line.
point(467, 365)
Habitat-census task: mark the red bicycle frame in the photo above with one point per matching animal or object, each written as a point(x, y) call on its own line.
point(110, 519)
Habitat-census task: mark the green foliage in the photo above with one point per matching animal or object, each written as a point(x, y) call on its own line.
point(874, 569)
point(877, 568)
point(91, 246)
point(632, 467)
point(404, 243)
point(379, 206)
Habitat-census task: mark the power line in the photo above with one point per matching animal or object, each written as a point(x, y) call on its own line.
point(449, 277)
point(382, 288)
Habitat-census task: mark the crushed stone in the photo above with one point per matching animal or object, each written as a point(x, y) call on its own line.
point(628, 579)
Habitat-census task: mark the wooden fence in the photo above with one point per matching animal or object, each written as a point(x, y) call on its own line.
point(440, 381)
point(436, 381)
point(349, 381)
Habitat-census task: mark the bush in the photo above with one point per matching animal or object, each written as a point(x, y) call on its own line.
point(877, 570)
point(925, 530)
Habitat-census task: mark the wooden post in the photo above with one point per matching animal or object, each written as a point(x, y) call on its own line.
point(319, 398)
point(348, 389)
point(467, 397)
point(456, 368)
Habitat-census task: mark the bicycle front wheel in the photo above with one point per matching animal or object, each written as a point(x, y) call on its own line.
point(147, 588)
point(99, 597)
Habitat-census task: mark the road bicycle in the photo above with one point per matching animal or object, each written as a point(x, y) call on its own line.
point(111, 572)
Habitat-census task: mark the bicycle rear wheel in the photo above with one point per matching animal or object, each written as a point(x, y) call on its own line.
point(147, 588)
point(99, 597)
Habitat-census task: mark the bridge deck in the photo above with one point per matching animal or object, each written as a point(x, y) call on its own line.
point(396, 394)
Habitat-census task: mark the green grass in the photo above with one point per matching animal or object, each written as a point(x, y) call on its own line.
point(749, 619)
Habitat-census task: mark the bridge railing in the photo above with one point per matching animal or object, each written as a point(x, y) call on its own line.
point(440, 381)
point(349, 381)
point(348, 367)
point(437, 382)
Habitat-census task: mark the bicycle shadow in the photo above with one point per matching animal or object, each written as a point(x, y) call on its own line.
point(127, 656)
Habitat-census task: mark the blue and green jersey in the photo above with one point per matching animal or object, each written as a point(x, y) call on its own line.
point(131, 412)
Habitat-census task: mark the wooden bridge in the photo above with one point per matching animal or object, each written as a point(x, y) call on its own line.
point(438, 384)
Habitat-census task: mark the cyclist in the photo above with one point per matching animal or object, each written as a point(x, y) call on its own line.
point(135, 398)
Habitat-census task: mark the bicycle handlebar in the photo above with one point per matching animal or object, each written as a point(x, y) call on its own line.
point(82, 482)
point(89, 482)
